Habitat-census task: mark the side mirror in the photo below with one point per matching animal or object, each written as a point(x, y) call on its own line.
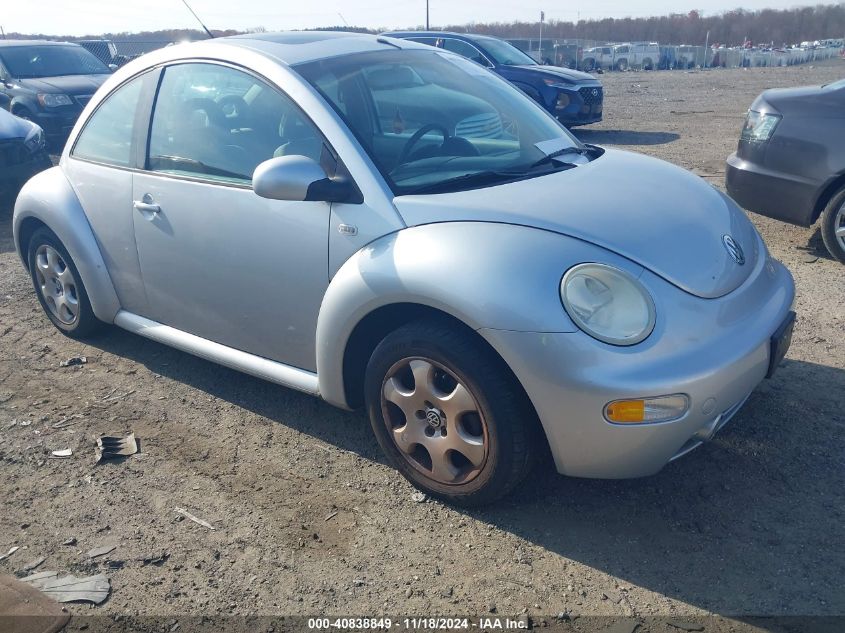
point(300, 179)
point(112, 67)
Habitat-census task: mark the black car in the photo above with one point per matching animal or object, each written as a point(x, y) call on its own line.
point(573, 97)
point(48, 82)
point(22, 153)
point(790, 162)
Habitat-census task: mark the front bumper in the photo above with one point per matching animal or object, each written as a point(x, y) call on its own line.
point(57, 124)
point(785, 197)
point(583, 108)
point(715, 351)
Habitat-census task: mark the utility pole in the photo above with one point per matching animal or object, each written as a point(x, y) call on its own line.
point(542, 17)
point(427, 28)
point(706, 48)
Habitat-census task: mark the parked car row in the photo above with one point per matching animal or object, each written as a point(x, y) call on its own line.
point(655, 56)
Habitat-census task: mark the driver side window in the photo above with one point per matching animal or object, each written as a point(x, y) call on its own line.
point(218, 123)
point(466, 50)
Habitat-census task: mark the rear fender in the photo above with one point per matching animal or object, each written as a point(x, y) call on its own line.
point(48, 199)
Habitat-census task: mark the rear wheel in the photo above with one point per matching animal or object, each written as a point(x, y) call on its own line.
point(833, 226)
point(448, 414)
point(59, 287)
point(622, 65)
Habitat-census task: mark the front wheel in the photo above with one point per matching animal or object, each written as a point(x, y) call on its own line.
point(622, 65)
point(448, 413)
point(833, 226)
point(59, 287)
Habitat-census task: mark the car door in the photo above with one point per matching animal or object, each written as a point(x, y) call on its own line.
point(217, 260)
point(100, 165)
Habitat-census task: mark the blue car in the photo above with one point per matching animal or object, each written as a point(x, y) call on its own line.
point(573, 97)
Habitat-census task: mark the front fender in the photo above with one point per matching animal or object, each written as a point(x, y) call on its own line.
point(487, 275)
point(49, 199)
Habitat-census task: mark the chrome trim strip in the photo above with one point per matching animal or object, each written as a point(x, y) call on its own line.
point(264, 368)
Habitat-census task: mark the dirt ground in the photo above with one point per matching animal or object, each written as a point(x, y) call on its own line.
point(309, 520)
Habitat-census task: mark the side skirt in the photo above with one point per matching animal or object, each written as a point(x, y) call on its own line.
point(272, 371)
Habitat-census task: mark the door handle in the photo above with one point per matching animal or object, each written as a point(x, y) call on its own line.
point(146, 205)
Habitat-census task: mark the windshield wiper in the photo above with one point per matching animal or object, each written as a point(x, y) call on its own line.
point(581, 151)
point(475, 179)
point(482, 178)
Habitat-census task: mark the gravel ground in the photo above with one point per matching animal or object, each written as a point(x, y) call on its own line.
point(309, 520)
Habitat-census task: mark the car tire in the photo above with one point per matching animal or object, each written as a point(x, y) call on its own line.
point(477, 433)
point(622, 65)
point(833, 221)
point(59, 286)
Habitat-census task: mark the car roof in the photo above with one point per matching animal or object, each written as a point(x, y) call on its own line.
point(304, 46)
point(19, 43)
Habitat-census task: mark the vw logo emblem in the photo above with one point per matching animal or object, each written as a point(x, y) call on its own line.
point(734, 249)
point(595, 92)
point(433, 419)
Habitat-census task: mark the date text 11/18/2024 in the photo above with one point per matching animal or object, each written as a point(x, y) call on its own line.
point(488, 623)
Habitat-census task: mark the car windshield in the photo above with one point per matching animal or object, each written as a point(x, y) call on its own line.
point(28, 62)
point(436, 122)
point(505, 54)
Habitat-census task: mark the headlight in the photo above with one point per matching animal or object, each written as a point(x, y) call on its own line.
point(607, 303)
point(555, 82)
point(759, 126)
point(34, 141)
point(53, 101)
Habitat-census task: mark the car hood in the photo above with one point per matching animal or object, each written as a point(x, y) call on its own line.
point(656, 214)
point(73, 85)
point(13, 127)
point(806, 101)
point(570, 76)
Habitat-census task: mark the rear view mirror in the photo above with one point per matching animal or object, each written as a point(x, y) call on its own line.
point(298, 178)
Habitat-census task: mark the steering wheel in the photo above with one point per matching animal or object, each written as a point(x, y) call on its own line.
point(234, 107)
point(425, 129)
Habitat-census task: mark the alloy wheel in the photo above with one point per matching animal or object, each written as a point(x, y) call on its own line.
point(57, 284)
point(435, 421)
point(839, 226)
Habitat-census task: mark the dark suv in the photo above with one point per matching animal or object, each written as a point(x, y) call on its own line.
point(48, 82)
point(573, 97)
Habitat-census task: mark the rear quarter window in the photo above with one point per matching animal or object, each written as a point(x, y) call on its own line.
point(107, 135)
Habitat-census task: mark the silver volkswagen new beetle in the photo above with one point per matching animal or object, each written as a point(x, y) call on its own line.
point(388, 225)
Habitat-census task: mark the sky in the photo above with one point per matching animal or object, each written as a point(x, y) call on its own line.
point(86, 17)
